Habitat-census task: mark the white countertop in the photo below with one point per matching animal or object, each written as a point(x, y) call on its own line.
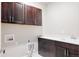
point(62, 39)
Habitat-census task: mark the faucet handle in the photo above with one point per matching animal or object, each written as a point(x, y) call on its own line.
point(73, 37)
point(28, 41)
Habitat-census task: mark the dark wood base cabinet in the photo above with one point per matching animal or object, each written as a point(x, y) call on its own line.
point(51, 48)
point(46, 48)
point(60, 51)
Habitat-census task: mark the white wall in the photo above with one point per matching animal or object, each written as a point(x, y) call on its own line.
point(58, 18)
point(62, 18)
point(22, 33)
point(0, 27)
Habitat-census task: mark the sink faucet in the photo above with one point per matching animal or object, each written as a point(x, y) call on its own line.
point(73, 37)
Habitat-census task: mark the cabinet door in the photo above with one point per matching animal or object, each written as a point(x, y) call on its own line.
point(73, 53)
point(29, 15)
point(18, 13)
point(60, 51)
point(51, 49)
point(46, 48)
point(33, 16)
point(6, 11)
point(38, 16)
point(42, 47)
point(73, 50)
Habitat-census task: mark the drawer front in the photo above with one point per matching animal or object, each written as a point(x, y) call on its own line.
point(67, 45)
point(72, 46)
point(61, 44)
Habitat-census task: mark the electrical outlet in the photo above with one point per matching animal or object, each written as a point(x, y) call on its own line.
point(9, 38)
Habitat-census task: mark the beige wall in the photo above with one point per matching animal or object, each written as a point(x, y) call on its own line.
point(62, 18)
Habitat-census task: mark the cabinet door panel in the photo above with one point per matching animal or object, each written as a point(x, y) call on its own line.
point(42, 47)
point(73, 50)
point(29, 15)
point(52, 50)
point(38, 16)
point(60, 51)
point(18, 13)
point(46, 48)
point(6, 11)
point(33, 16)
point(73, 53)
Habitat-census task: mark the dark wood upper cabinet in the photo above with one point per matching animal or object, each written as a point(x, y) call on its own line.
point(38, 16)
point(33, 15)
point(12, 12)
point(6, 12)
point(29, 15)
point(18, 13)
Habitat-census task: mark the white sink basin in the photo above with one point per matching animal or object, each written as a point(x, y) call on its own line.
point(71, 40)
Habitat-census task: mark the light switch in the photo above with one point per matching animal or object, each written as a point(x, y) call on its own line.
point(9, 38)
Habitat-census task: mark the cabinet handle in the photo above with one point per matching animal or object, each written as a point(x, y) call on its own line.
point(65, 52)
point(12, 19)
point(35, 21)
point(9, 18)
